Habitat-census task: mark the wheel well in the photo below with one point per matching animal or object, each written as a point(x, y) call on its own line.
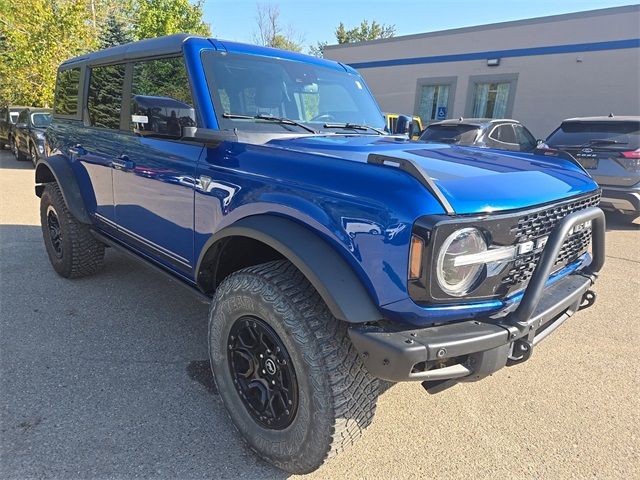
point(229, 255)
point(43, 175)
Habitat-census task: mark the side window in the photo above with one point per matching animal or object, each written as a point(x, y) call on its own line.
point(161, 101)
point(66, 98)
point(504, 134)
point(104, 101)
point(23, 117)
point(525, 139)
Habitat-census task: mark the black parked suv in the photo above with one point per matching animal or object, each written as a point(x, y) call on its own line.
point(27, 136)
point(609, 149)
point(8, 118)
point(503, 134)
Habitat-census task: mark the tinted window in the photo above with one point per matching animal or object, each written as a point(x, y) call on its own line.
point(23, 116)
point(104, 101)
point(254, 85)
point(504, 134)
point(524, 137)
point(461, 134)
point(66, 101)
point(625, 134)
point(41, 119)
point(13, 117)
point(160, 98)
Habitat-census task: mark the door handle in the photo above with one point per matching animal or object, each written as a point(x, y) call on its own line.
point(77, 150)
point(123, 163)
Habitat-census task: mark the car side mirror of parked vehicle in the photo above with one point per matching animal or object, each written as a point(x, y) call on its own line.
point(403, 125)
point(21, 125)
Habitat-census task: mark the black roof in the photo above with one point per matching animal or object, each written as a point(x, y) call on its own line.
point(149, 47)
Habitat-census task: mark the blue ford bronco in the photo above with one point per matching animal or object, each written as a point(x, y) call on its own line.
point(337, 258)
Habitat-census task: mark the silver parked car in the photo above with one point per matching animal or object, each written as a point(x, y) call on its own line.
point(609, 149)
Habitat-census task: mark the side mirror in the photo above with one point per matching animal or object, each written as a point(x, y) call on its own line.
point(403, 125)
point(21, 125)
point(539, 141)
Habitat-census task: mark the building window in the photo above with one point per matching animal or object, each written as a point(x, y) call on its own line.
point(490, 100)
point(433, 99)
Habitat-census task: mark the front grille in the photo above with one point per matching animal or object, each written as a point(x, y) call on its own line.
point(541, 223)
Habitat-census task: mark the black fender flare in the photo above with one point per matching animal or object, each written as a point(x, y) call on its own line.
point(63, 175)
point(326, 270)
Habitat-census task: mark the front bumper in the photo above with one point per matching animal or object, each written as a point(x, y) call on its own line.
point(471, 350)
point(622, 199)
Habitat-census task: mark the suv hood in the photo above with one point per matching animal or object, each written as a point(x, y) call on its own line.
point(472, 179)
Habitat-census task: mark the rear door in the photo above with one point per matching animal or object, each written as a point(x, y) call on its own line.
point(608, 150)
point(153, 178)
point(100, 138)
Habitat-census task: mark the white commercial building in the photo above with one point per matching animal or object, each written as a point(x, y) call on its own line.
point(538, 71)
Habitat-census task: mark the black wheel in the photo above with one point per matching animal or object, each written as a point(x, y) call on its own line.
point(288, 375)
point(72, 250)
point(16, 151)
point(33, 154)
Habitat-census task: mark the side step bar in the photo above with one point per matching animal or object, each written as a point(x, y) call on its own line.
point(140, 259)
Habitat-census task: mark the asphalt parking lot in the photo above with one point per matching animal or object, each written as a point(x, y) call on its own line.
point(106, 377)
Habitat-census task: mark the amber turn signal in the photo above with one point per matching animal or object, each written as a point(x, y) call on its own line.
point(415, 257)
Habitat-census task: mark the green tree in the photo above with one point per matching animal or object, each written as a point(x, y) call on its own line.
point(361, 33)
point(116, 30)
point(37, 35)
point(364, 32)
point(271, 33)
point(154, 18)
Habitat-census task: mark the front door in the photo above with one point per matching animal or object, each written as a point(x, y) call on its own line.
point(153, 177)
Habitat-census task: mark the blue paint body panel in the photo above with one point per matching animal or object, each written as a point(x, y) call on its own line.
point(364, 212)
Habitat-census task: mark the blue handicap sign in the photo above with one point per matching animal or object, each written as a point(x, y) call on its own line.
point(441, 113)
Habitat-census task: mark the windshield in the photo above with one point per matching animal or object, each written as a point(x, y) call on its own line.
point(313, 95)
point(608, 134)
point(461, 134)
point(41, 119)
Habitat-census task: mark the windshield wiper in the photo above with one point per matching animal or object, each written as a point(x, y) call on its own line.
point(353, 126)
point(269, 118)
point(603, 141)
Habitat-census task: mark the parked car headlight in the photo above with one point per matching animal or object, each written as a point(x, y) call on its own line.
point(40, 136)
point(457, 280)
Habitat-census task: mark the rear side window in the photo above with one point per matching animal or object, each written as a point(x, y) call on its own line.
point(104, 101)
point(161, 101)
point(504, 134)
point(66, 98)
point(610, 133)
point(23, 116)
point(462, 134)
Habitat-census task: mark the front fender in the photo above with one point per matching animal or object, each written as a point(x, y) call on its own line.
point(57, 169)
point(326, 270)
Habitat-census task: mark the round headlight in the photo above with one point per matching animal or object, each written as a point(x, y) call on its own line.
point(458, 280)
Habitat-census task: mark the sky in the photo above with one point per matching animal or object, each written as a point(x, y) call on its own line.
point(315, 20)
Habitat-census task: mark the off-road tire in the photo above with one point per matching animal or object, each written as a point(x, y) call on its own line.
point(82, 254)
point(337, 395)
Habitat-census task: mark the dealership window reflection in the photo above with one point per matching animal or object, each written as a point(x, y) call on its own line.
point(432, 97)
point(490, 100)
